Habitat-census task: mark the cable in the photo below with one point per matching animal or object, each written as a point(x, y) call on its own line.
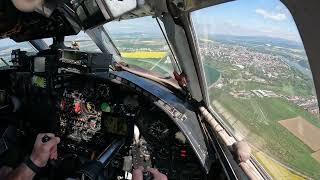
point(167, 40)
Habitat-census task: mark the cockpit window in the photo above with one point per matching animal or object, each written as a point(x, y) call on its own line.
point(48, 41)
point(260, 83)
point(6, 47)
point(141, 43)
point(82, 42)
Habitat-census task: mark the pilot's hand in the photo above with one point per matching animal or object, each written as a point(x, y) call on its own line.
point(156, 174)
point(137, 174)
point(42, 152)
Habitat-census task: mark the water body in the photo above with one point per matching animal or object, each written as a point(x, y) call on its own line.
point(212, 74)
point(300, 68)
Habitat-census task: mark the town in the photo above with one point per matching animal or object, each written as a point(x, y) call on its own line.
point(255, 67)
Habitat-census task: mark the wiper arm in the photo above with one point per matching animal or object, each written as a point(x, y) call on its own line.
point(5, 62)
point(167, 83)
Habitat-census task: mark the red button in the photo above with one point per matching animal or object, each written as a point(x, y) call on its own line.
point(77, 107)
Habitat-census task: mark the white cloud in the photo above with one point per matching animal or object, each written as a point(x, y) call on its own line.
point(271, 15)
point(232, 28)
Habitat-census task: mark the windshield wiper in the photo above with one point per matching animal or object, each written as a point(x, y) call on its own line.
point(5, 62)
point(151, 76)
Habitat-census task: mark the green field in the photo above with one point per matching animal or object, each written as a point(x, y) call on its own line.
point(139, 43)
point(145, 63)
point(166, 68)
point(261, 116)
point(152, 64)
point(145, 47)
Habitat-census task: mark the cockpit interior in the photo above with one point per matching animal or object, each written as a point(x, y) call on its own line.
point(111, 116)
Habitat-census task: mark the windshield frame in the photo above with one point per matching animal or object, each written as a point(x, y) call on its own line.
point(174, 63)
point(258, 166)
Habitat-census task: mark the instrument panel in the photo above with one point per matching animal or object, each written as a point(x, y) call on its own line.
point(89, 113)
point(79, 116)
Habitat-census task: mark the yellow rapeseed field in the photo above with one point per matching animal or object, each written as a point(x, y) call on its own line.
point(276, 170)
point(144, 54)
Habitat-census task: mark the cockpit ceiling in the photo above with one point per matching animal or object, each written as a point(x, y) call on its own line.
point(21, 26)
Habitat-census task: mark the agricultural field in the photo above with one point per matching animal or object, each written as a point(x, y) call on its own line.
point(274, 168)
point(316, 155)
point(256, 119)
point(144, 54)
point(134, 43)
point(304, 130)
point(266, 133)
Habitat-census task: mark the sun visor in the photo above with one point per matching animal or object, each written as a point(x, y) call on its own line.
point(94, 13)
point(114, 9)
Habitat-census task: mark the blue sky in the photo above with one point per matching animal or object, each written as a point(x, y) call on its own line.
point(248, 17)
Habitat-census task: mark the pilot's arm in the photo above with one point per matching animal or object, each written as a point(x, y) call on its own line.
point(39, 157)
point(27, 5)
point(137, 174)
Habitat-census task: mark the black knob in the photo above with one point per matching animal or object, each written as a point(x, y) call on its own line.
point(45, 139)
point(147, 176)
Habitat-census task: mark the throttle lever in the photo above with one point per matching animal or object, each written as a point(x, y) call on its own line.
point(147, 175)
point(45, 138)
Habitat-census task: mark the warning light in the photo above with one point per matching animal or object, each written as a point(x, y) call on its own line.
point(77, 107)
point(105, 107)
point(183, 153)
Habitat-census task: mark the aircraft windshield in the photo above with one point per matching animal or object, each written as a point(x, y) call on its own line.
point(141, 43)
point(83, 42)
point(260, 83)
point(7, 45)
point(80, 41)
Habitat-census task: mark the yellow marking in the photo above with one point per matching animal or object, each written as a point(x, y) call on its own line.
point(144, 54)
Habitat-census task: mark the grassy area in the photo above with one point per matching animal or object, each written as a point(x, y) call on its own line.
point(145, 63)
point(284, 88)
point(144, 54)
point(135, 43)
point(296, 84)
point(156, 65)
point(261, 116)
